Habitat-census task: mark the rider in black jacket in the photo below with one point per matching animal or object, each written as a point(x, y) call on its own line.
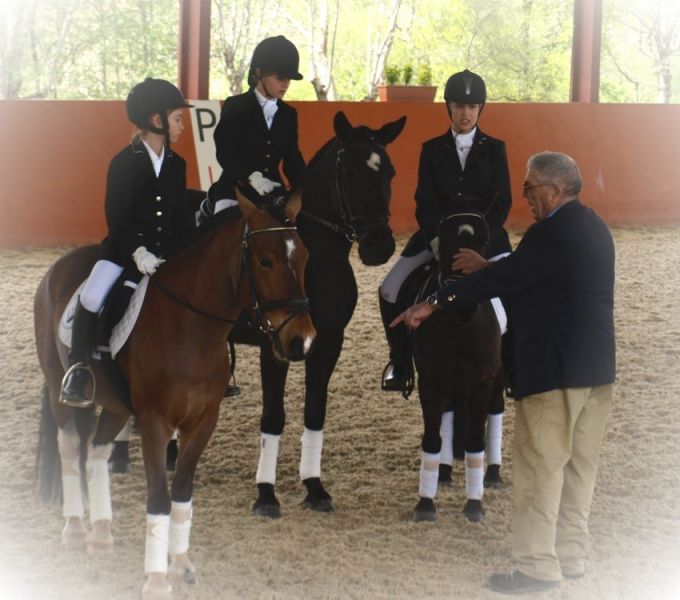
point(463, 164)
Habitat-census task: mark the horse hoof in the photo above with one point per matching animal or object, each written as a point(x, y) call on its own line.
point(266, 504)
point(324, 505)
point(74, 534)
point(445, 477)
point(180, 576)
point(474, 511)
point(100, 540)
point(272, 511)
point(425, 511)
point(492, 478)
point(156, 588)
point(317, 499)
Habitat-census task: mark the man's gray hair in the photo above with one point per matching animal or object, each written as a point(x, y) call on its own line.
point(557, 168)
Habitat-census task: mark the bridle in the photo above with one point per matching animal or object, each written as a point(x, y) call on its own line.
point(300, 304)
point(454, 275)
point(350, 224)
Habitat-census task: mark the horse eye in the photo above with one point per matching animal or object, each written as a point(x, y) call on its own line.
point(265, 262)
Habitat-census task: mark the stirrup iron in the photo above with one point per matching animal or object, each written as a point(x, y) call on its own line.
point(73, 403)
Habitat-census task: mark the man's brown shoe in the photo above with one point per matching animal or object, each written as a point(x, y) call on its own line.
point(516, 582)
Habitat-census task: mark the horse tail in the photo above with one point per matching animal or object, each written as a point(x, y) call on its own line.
point(48, 464)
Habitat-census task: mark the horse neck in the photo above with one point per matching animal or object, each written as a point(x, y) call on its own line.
point(321, 200)
point(207, 271)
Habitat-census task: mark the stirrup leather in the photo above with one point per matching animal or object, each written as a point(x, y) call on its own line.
point(73, 403)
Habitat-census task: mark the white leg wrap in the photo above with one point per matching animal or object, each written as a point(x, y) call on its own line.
point(156, 547)
point(474, 475)
point(494, 439)
point(180, 527)
point(429, 475)
point(69, 454)
point(98, 482)
point(446, 433)
point(124, 435)
point(269, 453)
point(310, 456)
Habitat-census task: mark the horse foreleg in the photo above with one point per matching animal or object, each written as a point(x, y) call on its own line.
point(494, 437)
point(194, 442)
point(74, 532)
point(430, 451)
point(477, 405)
point(273, 373)
point(99, 448)
point(155, 437)
point(319, 367)
point(446, 455)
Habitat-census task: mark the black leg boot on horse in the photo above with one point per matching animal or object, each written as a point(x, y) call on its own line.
point(73, 392)
point(398, 374)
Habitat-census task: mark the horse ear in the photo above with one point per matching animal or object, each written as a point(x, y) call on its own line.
point(247, 207)
point(294, 205)
point(342, 126)
point(389, 132)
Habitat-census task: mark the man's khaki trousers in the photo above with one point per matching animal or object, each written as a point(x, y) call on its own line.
point(558, 435)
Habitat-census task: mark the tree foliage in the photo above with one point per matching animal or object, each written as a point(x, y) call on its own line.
point(100, 48)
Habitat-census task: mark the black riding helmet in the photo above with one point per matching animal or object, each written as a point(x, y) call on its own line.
point(150, 97)
point(465, 87)
point(277, 55)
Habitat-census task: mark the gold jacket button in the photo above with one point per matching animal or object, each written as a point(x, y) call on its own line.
point(159, 229)
point(158, 198)
point(451, 298)
point(159, 213)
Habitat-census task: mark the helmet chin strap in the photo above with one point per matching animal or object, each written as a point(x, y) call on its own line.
point(164, 130)
point(264, 87)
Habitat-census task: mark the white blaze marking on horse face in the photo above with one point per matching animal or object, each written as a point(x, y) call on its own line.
point(373, 161)
point(308, 344)
point(467, 228)
point(290, 249)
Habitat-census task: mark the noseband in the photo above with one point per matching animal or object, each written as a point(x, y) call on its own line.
point(300, 305)
point(350, 223)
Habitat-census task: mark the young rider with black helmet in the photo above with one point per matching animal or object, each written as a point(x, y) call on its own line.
point(146, 213)
point(258, 131)
point(464, 162)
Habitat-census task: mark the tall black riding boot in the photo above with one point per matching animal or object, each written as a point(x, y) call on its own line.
point(398, 374)
point(82, 341)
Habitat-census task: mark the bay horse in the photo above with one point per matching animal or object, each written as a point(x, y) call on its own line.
point(457, 355)
point(175, 365)
point(346, 198)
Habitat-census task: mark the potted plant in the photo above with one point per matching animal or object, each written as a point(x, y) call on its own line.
point(398, 84)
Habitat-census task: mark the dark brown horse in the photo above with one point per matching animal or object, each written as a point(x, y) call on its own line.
point(457, 357)
point(175, 367)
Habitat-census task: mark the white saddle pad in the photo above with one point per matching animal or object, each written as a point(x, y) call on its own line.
point(500, 314)
point(121, 330)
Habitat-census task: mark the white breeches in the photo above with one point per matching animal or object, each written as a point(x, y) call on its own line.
point(102, 277)
point(405, 265)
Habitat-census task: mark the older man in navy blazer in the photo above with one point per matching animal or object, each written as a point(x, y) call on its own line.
point(560, 282)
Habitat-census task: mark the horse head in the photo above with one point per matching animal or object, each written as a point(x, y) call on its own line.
point(463, 227)
point(272, 279)
point(363, 176)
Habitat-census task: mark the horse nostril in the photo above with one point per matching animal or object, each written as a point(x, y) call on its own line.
point(297, 351)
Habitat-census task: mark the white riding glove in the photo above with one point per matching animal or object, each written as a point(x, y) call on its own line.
point(147, 262)
point(261, 184)
point(434, 245)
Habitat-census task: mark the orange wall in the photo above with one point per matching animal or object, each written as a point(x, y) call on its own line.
point(54, 156)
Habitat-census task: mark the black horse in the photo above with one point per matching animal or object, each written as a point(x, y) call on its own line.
point(458, 359)
point(346, 199)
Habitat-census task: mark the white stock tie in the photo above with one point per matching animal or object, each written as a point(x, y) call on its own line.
point(269, 109)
